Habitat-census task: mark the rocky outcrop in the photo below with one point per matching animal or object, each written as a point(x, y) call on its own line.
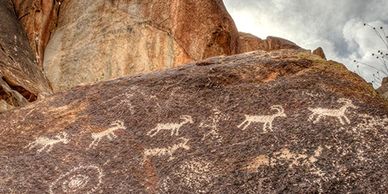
point(319, 51)
point(279, 122)
point(249, 42)
point(383, 90)
point(100, 40)
point(21, 80)
point(38, 19)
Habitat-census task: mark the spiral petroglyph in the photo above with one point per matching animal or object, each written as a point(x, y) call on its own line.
point(82, 179)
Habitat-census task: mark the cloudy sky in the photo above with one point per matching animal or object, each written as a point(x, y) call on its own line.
point(335, 25)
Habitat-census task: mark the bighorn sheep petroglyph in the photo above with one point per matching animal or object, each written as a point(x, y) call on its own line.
point(109, 133)
point(49, 143)
point(266, 119)
point(173, 127)
point(169, 151)
point(337, 113)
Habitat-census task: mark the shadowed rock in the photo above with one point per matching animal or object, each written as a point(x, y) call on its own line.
point(383, 90)
point(279, 122)
point(319, 51)
point(21, 80)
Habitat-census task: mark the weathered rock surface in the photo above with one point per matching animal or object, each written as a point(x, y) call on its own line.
point(279, 122)
point(100, 40)
point(249, 42)
point(38, 19)
point(21, 80)
point(383, 90)
point(319, 51)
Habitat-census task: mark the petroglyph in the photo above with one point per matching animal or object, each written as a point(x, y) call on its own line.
point(212, 124)
point(167, 151)
point(266, 119)
point(172, 127)
point(82, 179)
point(126, 102)
point(194, 175)
point(337, 113)
point(45, 142)
point(109, 133)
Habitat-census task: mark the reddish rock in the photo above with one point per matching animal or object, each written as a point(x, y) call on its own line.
point(249, 42)
point(38, 19)
point(262, 122)
point(100, 40)
point(21, 81)
point(319, 51)
point(383, 90)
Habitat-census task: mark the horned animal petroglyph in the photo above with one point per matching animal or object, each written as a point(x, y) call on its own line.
point(266, 119)
point(109, 133)
point(173, 127)
point(337, 113)
point(169, 151)
point(49, 143)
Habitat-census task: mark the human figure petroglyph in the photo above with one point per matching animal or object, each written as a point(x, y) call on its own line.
point(337, 113)
point(109, 133)
point(45, 142)
point(168, 151)
point(266, 119)
point(212, 124)
point(172, 127)
point(123, 102)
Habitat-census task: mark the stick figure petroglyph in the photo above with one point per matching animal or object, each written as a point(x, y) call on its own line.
point(212, 123)
point(266, 119)
point(109, 133)
point(169, 151)
point(337, 113)
point(45, 142)
point(173, 127)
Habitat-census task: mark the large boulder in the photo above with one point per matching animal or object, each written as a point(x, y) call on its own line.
point(38, 19)
point(279, 122)
point(21, 80)
point(249, 42)
point(99, 40)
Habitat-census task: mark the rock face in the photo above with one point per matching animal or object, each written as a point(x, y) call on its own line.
point(21, 80)
point(319, 51)
point(279, 122)
point(100, 40)
point(249, 42)
point(38, 19)
point(383, 90)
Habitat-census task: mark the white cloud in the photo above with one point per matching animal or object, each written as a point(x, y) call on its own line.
point(335, 25)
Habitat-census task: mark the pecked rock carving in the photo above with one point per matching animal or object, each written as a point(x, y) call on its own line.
point(108, 133)
point(337, 113)
point(172, 127)
point(45, 142)
point(266, 119)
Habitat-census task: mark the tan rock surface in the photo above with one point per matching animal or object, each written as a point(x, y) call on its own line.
point(383, 90)
point(38, 19)
point(319, 51)
point(100, 40)
point(249, 42)
point(21, 80)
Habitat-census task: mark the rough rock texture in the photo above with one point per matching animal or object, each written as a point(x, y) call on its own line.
point(249, 42)
point(279, 122)
point(383, 90)
point(38, 19)
point(21, 80)
point(99, 40)
point(319, 51)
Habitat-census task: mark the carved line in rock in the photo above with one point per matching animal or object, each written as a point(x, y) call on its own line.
point(108, 133)
point(82, 179)
point(45, 142)
point(167, 151)
point(172, 127)
point(336, 113)
point(266, 119)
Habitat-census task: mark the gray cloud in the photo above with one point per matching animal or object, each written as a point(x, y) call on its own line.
point(334, 25)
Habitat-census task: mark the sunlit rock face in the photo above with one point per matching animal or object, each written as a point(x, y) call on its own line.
point(21, 80)
point(261, 122)
point(249, 42)
point(383, 90)
point(100, 40)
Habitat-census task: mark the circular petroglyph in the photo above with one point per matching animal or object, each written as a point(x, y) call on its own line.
point(82, 179)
